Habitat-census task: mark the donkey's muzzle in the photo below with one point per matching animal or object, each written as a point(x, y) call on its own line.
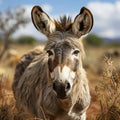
point(61, 89)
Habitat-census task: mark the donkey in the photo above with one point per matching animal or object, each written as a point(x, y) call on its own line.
point(52, 84)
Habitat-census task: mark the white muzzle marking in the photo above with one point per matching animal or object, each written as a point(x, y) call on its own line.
point(63, 75)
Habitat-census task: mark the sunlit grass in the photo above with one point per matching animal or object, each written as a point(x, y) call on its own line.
point(105, 87)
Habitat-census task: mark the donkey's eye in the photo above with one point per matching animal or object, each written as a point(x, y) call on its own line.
point(49, 52)
point(76, 52)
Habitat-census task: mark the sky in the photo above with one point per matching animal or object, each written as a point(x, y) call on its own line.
point(106, 14)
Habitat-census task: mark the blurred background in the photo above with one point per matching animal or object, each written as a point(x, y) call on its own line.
point(18, 36)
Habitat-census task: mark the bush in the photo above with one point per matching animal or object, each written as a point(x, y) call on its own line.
point(108, 93)
point(94, 40)
point(26, 40)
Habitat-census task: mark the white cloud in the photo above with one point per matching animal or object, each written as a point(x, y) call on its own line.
point(106, 18)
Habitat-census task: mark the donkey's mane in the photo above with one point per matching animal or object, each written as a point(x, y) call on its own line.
point(64, 23)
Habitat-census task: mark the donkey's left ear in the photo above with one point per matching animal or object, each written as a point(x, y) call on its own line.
point(83, 22)
point(42, 21)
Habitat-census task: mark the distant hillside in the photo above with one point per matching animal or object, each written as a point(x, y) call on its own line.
point(108, 40)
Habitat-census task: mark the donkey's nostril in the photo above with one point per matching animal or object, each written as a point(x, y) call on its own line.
point(67, 86)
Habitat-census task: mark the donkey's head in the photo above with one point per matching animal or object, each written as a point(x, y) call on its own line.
point(64, 48)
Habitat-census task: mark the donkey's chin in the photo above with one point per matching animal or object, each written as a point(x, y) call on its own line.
point(61, 95)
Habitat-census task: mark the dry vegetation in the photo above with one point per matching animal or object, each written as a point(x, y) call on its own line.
point(104, 79)
point(108, 93)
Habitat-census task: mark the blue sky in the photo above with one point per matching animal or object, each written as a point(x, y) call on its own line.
point(60, 6)
point(106, 13)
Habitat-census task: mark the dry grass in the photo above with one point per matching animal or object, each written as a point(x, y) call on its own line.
point(8, 109)
point(105, 88)
point(108, 93)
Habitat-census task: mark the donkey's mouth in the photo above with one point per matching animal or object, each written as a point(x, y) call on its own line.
point(61, 96)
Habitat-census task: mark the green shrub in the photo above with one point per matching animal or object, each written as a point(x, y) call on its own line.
point(94, 40)
point(26, 40)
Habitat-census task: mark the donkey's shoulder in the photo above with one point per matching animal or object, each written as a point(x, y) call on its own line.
point(25, 60)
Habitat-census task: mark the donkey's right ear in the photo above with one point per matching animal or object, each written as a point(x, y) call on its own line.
point(42, 21)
